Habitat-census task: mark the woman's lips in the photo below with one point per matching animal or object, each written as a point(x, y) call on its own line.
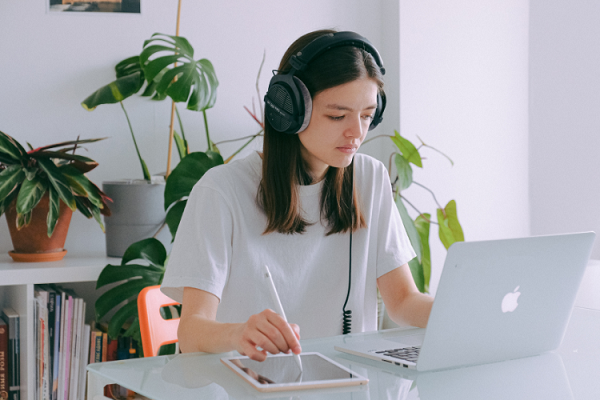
point(347, 149)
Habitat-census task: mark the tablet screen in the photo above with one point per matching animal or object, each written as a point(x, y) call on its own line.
point(284, 370)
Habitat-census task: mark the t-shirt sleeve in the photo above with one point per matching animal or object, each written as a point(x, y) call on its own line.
point(394, 248)
point(201, 252)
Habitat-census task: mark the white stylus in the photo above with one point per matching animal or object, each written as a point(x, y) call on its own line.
point(278, 306)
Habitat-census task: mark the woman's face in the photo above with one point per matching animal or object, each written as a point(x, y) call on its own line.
point(338, 125)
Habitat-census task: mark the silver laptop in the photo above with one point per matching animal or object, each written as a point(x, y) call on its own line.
point(497, 300)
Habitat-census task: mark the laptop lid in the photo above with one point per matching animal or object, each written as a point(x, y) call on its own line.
point(504, 299)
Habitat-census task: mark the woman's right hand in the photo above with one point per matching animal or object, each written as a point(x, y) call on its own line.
point(269, 331)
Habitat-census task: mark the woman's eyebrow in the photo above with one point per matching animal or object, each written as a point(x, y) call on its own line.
point(346, 108)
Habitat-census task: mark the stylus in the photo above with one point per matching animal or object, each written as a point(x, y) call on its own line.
point(278, 306)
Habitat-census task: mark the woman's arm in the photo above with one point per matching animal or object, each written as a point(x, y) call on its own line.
point(402, 299)
point(199, 331)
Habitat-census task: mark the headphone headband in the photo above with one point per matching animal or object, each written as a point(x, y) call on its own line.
point(324, 43)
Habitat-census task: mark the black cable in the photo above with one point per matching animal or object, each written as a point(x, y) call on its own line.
point(347, 314)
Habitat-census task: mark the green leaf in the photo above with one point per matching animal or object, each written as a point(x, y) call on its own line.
point(182, 146)
point(117, 273)
point(423, 223)
point(125, 313)
point(187, 173)
point(10, 179)
point(10, 149)
point(450, 230)
point(82, 186)
point(411, 229)
point(128, 66)
point(30, 194)
point(404, 170)
point(408, 150)
point(59, 182)
point(5, 203)
point(53, 212)
point(115, 296)
point(115, 91)
point(416, 270)
point(196, 81)
point(174, 216)
point(151, 250)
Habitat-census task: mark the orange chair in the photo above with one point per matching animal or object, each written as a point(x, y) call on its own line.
point(156, 331)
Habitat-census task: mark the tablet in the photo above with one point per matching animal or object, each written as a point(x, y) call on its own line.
point(280, 372)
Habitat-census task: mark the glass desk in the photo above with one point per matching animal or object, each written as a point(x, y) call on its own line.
point(572, 372)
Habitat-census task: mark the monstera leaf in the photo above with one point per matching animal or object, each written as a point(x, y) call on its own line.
point(181, 182)
point(168, 61)
point(142, 265)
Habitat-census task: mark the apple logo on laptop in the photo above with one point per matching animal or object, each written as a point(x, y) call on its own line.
point(509, 302)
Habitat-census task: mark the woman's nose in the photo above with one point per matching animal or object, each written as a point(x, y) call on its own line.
point(355, 127)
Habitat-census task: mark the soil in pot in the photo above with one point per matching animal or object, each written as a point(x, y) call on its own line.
point(32, 243)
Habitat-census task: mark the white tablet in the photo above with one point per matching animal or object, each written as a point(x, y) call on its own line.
point(280, 372)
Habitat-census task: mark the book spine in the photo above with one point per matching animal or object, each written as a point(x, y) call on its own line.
point(84, 359)
point(51, 334)
point(14, 352)
point(68, 339)
point(56, 348)
point(3, 359)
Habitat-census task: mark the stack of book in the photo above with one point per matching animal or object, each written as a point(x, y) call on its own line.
point(62, 343)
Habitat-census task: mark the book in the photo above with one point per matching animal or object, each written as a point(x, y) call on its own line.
point(56, 347)
point(84, 358)
point(41, 327)
point(14, 350)
point(3, 359)
point(96, 348)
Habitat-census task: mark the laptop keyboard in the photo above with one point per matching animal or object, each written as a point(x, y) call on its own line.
point(405, 353)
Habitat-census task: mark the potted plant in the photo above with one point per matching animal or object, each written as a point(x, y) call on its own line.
point(143, 263)
point(167, 65)
point(39, 190)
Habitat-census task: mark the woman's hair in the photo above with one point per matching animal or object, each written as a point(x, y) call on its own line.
point(283, 166)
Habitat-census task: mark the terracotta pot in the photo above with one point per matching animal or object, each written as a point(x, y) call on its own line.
point(32, 243)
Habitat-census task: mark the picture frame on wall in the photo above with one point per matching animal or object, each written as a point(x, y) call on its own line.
point(101, 6)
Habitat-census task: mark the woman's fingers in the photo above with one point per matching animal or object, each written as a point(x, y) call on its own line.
point(269, 331)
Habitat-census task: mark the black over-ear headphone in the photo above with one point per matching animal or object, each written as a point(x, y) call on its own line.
point(288, 105)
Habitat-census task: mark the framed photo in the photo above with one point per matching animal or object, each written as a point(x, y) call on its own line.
point(103, 6)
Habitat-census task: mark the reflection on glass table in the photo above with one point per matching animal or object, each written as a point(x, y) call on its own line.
point(570, 373)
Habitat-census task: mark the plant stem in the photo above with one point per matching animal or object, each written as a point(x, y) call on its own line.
point(146, 176)
point(238, 139)
point(210, 146)
point(376, 137)
point(242, 148)
point(181, 127)
point(417, 210)
point(430, 191)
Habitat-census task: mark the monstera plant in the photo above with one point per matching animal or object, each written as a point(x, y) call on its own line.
point(167, 65)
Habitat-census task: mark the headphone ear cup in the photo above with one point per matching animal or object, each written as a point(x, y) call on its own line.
point(378, 116)
point(284, 104)
point(307, 103)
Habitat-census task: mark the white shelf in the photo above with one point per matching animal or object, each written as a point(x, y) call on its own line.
point(17, 280)
point(75, 269)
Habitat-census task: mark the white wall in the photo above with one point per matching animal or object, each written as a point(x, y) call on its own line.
point(565, 117)
point(464, 90)
point(51, 62)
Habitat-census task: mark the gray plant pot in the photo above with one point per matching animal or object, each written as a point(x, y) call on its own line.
point(137, 213)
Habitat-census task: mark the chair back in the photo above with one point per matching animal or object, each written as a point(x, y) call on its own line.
point(155, 330)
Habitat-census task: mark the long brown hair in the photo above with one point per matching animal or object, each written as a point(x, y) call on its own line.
point(283, 166)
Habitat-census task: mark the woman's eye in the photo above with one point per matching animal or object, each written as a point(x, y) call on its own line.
point(368, 117)
point(336, 118)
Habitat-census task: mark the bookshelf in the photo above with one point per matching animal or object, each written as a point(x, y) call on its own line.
point(17, 282)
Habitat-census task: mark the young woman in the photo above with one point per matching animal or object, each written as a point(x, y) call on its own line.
point(319, 215)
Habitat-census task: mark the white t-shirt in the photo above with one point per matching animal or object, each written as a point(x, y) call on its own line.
point(220, 248)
